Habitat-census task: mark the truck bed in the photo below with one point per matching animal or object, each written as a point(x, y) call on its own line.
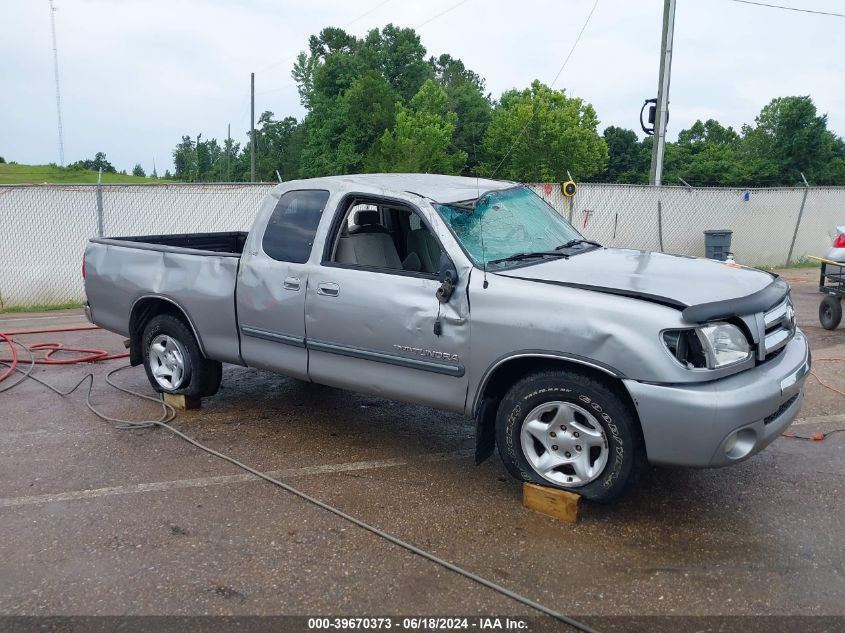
point(196, 272)
point(231, 243)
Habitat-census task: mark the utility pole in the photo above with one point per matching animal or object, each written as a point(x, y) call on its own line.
point(662, 111)
point(252, 127)
point(197, 155)
point(228, 152)
point(56, 73)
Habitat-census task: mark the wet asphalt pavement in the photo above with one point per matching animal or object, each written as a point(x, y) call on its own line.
point(99, 521)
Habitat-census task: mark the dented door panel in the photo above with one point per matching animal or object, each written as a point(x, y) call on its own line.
point(377, 336)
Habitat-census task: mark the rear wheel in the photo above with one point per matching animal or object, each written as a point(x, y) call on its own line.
point(830, 312)
point(569, 431)
point(173, 360)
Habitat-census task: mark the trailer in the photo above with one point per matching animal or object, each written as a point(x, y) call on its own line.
point(832, 284)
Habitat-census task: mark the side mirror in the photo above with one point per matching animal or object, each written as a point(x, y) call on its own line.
point(448, 276)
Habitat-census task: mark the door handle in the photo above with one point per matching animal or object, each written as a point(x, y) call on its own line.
point(292, 283)
point(328, 289)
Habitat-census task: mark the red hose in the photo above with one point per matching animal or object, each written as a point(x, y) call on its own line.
point(13, 363)
point(87, 355)
point(80, 328)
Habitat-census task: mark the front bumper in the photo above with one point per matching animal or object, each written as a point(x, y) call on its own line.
point(725, 421)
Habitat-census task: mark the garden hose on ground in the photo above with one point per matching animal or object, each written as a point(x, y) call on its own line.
point(168, 414)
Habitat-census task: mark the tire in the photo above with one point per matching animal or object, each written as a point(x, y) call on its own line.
point(173, 361)
point(593, 442)
point(830, 313)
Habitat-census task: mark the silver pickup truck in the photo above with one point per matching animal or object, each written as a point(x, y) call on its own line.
point(581, 363)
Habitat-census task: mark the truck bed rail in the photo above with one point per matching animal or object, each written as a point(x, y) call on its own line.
point(230, 243)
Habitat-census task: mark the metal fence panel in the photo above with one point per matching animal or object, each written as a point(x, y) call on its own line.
point(43, 232)
point(159, 210)
point(762, 221)
point(673, 219)
point(43, 228)
point(823, 212)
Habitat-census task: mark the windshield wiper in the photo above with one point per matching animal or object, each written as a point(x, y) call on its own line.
point(532, 255)
point(577, 242)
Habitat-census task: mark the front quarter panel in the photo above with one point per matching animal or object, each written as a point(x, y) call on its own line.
point(621, 335)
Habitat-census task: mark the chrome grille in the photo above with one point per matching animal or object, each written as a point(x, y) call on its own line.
point(778, 328)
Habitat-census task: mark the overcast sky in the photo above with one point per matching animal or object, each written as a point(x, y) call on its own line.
point(137, 74)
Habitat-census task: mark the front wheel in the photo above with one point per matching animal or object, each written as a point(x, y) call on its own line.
point(830, 312)
point(173, 360)
point(567, 430)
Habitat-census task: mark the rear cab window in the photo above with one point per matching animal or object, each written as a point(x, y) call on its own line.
point(290, 231)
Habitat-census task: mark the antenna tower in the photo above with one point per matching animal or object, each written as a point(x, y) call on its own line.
point(56, 73)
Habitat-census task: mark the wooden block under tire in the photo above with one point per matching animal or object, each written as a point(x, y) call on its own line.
point(182, 402)
point(556, 503)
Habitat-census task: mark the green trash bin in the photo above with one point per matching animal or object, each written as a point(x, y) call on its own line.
point(717, 244)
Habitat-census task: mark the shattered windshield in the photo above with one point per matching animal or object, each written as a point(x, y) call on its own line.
point(507, 223)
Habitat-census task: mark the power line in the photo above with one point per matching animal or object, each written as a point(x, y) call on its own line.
point(780, 6)
point(552, 85)
point(441, 14)
point(363, 15)
point(575, 44)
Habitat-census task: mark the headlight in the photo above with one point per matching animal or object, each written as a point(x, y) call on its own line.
point(711, 346)
point(724, 344)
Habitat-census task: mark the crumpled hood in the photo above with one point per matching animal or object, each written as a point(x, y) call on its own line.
point(677, 280)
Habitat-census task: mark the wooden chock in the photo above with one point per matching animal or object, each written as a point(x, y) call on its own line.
point(181, 402)
point(556, 503)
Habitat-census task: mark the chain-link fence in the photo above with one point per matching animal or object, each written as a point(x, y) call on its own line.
point(43, 228)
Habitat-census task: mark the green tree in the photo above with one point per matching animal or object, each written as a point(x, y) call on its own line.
point(706, 154)
point(204, 159)
point(99, 162)
point(138, 170)
point(275, 148)
point(342, 130)
point(537, 134)
point(330, 44)
point(793, 138)
point(466, 98)
point(335, 59)
point(422, 137)
point(229, 161)
point(837, 163)
point(185, 160)
point(350, 87)
point(627, 160)
point(399, 56)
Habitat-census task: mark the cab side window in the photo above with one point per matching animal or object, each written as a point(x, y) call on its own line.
point(290, 231)
point(385, 237)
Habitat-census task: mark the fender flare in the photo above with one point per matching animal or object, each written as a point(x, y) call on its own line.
point(484, 409)
point(540, 354)
point(135, 355)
